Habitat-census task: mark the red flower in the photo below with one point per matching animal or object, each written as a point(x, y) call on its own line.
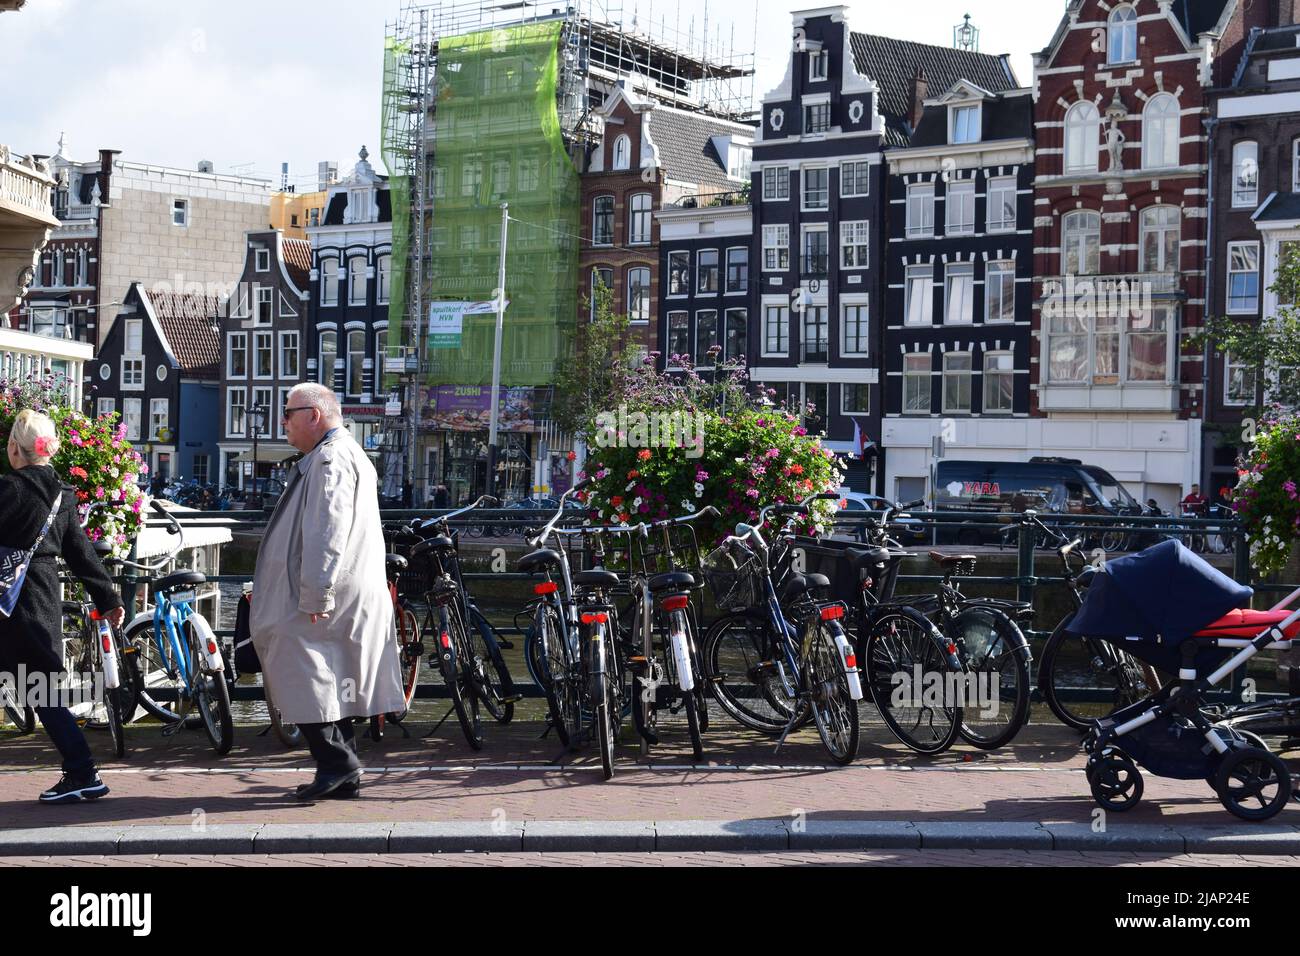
point(573, 456)
point(633, 474)
point(616, 501)
point(644, 454)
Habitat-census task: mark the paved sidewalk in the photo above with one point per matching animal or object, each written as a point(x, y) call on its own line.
point(173, 796)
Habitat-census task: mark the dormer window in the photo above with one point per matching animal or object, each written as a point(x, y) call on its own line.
point(1121, 43)
point(964, 123)
point(623, 152)
point(263, 260)
point(818, 65)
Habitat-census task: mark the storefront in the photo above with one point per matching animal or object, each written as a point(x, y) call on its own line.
point(455, 422)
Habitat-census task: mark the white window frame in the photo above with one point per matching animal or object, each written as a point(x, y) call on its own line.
point(605, 239)
point(700, 288)
point(804, 191)
point(157, 421)
point(726, 271)
point(701, 354)
point(181, 206)
point(1161, 134)
point(817, 103)
point(1231, 272)
point(1121, 31)
point(257, 338)
point(966, 301)
point(914, 280)
point(998, 272)
point(679, 256)
point(925, 377)
point(358, 281)
point(622, 153)
point(134, 422)
point(384, 278)
point(819, 65)
point(105, 407)
point(845, 192)
point(296, 351)
point(776, 184)
point(669, 351)
point(855, 244)
point(863, 303)
point(968, 374)
point(325, 374)
point(1228, 399)
point(812, 229)
point(631, 289)
point(133, 373)
point(1245, 162)
point(262, 260)
point(776, 239)
point(1083, 236)
point(1295, 165)
point(1146, 228)
point(782, 327)
point(640, 227)
point(724, 333)
point(974, 135)
point(960, 197)
point(329, 281)
point(920, 211)
point(263, 296)
point(236, 342)
point(992, 376)
point(356, 363)
point(817, 309)
point(845, 389)
point(1082, 138)
point(999, 186)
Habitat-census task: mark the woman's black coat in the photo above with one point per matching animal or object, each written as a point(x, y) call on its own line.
point(33, 635)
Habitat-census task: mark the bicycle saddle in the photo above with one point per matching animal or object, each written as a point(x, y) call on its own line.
point(178, 581)
point(671, 581)
point(801, 584)
point(950, 560)
point(441, 543)
point(538, 560)
point(596, 579)
point(866, 560)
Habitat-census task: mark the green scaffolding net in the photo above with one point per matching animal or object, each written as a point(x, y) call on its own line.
point(398, 142)
point(498, 140)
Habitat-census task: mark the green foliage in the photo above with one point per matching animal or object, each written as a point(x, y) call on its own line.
point(1266, 499)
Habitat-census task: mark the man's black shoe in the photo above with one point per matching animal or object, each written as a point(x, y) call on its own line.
point(75, 787)
point(337, 788)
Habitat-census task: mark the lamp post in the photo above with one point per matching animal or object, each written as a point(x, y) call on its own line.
point(256, 416)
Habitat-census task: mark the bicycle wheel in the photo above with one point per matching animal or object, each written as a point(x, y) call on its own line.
point(23, 718)
point(678, 638)
point(742, 668)
point(152, 671)
point(410, 649)
point(1075, 668)
point(904, 650)
point(608, 705)
point(492, 680)
point(833, 707)
point(561, 689)
point(455, 661)
point(211, 693)
point(996, 655)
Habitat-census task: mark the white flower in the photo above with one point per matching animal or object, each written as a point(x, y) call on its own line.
point(636, 503)
point(630, 486)
point(699, 490)
point(688, 506)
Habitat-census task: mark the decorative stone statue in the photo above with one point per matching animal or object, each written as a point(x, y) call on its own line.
point(1115, 140)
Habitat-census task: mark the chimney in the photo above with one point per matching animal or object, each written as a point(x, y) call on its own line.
point(205, 166)
point(920, 90)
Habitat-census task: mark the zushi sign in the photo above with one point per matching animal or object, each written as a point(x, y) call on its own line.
point(447, 321)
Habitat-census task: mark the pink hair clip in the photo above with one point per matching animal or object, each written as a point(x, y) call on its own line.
point(42, 447)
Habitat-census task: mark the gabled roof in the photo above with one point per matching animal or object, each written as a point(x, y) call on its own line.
point(186, 324)
point(1279, 207)
point(1193, 16)
point(297, 262)
point(1003, 117)
point(686, 153)
point(892, 64)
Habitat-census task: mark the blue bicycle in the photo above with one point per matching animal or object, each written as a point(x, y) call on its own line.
point(181, 668)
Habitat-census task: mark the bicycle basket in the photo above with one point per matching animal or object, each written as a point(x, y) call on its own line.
point(733, 575)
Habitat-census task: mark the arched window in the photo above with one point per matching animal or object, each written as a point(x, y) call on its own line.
point(623, 152)
point(1161, 126)
point(384, 272)
point(1160, 235)
point(1123, 36)
point(638, 294)
point(1245, 174)
point(1082, 138)
point(329, 351)
point(638, 219)
point(1081, 243)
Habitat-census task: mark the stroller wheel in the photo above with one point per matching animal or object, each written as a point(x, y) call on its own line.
point(1253, 784)
point(1116, 783)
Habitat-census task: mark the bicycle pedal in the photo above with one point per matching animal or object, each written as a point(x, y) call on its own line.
point(512, 699)
point(506, 645)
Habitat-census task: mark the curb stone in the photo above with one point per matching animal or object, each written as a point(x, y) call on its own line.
point(456, 837)
point(722, 835)
point(587, 836)
point(322, 838)
point(984, 836)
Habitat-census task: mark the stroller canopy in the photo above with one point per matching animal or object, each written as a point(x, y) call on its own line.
point(1165, 592)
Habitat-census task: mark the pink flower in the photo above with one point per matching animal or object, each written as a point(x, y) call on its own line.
point(78, 473)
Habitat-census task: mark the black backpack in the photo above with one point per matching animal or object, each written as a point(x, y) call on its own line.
point(246, 660)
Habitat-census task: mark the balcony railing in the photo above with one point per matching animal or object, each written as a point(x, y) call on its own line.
point(25, 188)
point(1114, 284)
point(815, 266)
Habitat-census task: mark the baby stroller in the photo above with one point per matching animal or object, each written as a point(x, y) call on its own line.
point(1168, 607)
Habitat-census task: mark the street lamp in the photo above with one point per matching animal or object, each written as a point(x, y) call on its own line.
point(256, 416)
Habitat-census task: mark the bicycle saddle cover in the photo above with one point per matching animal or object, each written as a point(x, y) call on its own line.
point(802, 583)
point(175, 582)
point(538, 560)
point(595, 579)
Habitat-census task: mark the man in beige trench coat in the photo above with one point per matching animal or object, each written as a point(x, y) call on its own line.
point(322, 620)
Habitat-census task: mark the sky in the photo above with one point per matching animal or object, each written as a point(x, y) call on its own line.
point(251, 84)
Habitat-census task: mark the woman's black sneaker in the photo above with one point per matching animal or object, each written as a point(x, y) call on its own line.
point(75, 787)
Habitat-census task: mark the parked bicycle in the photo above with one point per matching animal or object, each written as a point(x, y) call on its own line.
point(174, 649)
point(780, 657)
point(467, 649)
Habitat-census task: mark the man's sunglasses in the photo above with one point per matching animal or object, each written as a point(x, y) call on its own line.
point(289, 411)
